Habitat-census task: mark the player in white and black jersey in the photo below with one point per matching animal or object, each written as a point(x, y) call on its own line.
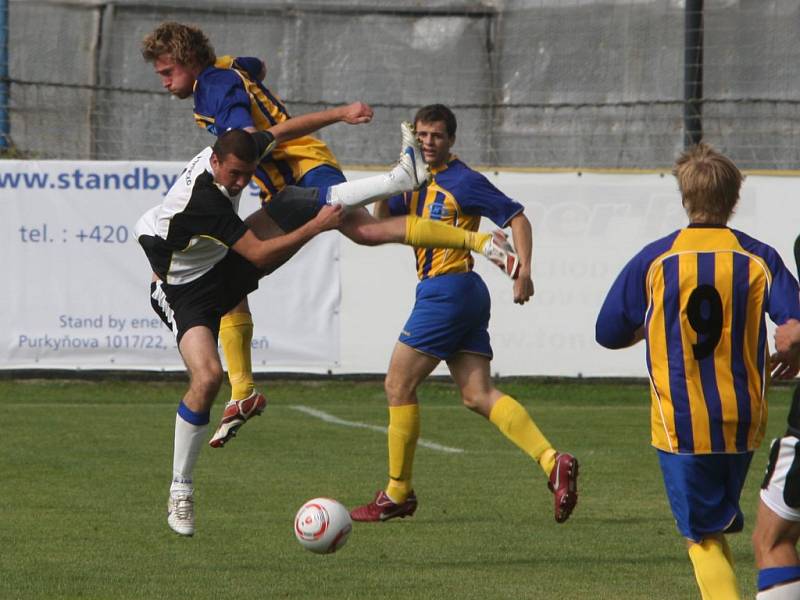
point(205, 260)
point(188, 237)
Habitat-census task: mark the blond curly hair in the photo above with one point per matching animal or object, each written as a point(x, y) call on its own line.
point(187, 45)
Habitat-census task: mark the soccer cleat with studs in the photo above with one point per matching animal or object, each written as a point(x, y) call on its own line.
point(180, 511)
point(564, 485)
point(411, 158)
point(236, 414)
point(383, 509)
point(500, 252)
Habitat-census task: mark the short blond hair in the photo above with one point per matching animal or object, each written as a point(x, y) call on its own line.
point(187, 45)
point(709, 182)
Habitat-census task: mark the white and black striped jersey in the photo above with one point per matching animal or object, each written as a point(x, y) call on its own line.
point(192, 229)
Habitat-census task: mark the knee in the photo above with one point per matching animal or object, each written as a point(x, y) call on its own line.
point(765, 547)
point(207, 381)
point(365, 235)
point(397, 389)
point(476, 401)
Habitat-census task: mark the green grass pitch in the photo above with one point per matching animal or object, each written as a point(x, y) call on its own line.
point(85, 469)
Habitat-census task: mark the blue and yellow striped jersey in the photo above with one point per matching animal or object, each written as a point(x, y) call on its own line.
point(701, 295)
point(458, 196)
point(228, 95)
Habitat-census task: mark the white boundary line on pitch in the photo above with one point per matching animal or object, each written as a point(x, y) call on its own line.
point(329, 418)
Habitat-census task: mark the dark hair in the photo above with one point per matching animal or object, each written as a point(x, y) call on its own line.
point(237, 142)
point(437, 112)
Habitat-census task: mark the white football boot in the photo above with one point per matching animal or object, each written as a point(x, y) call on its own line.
point(180, 509)
point(500, 252)
point(411, 159)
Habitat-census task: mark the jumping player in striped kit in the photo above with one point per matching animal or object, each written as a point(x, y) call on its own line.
point(229, 93)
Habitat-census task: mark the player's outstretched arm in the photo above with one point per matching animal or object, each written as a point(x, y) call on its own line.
point(354, 114)
point(266, 255)
point(522, 233)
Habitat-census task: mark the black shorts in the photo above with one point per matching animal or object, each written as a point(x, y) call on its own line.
point(293, 207)
point(204, 300)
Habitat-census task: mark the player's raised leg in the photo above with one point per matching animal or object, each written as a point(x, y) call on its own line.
point(235, 336)
point(408, 174)
point(410, 230)
point(471, 372)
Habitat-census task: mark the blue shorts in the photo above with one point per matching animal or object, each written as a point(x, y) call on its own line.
point(704, 491)
point(451, 314)
point(322, 176)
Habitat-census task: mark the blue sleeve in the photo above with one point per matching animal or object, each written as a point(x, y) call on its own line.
point(251, 65)
point(625, 307)
point(221, 99)
point(783, 302)
point(784, 295)
point(398, 205)
point(477, 195)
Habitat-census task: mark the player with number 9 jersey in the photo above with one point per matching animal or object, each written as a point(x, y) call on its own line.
point(701, 294)
point(699, 298)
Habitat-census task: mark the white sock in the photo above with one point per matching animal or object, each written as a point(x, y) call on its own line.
point(367, 190)
point(189, 439)
point(789, 591)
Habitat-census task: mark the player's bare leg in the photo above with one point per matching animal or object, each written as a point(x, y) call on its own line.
point(472, 374)
point(199, 352)
point(265, 228)
point(775, 545)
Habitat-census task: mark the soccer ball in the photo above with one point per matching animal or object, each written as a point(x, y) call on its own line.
point(322, 525)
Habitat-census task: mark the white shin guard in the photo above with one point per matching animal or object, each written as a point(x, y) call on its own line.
point(364, 191)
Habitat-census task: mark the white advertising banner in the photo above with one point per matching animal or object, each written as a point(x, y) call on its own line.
point(586, 227)
point(76, 293)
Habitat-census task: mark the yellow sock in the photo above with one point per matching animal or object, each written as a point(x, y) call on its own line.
point(510, 417)
point(235, 335)
point(403, 436)
point(425, 233)
point(713, 570)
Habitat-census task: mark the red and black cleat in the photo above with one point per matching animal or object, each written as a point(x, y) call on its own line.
point(564, 485)
point(383, 509)
point(236, 414)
